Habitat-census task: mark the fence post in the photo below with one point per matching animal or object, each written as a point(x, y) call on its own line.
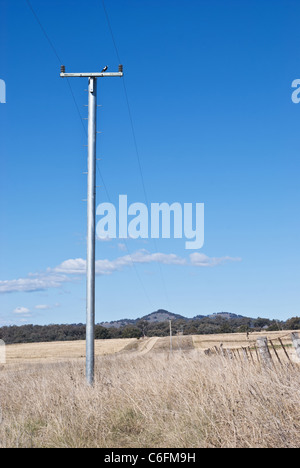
point(251, 357)
point(263, 348)
point(276, 354)
point(222, 350)
point(2, 352)
point(245, 354)
point(283, 347)
point(296, 343)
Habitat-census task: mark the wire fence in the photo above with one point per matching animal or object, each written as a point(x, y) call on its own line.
point(278, 350)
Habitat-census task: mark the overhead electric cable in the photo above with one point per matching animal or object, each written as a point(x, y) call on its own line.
point(134, 140)
point(85, 131)
point(57, 56)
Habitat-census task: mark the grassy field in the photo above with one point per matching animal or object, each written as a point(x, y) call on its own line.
point(64, 350)
point(145, 397)
point(61, 350)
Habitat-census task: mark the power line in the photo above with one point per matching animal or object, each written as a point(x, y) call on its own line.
point(85, 131)
point(44, 31)
point(111, 31)
point(125, 242)
point(58, 59)
point(127, 102)
point(76, 105)
point(135, 141)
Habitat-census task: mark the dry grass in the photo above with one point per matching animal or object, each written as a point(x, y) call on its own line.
point(61, 350)
point(152, 400)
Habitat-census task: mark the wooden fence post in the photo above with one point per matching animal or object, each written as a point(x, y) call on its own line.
point(263, 348)
point(296, 343)
point(275, 352)
point(285, 351)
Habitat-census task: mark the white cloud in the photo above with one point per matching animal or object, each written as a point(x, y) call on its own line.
point(202, 260)
point(69, 270)
point(42, 307)
point(21, 310)
point(23, 313)
point(36, 282)
point(106, 267)
point(71, 266)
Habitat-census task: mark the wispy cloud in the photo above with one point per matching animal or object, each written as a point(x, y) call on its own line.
point(202, 260)
point(106, 267)
point(23, 314)
point(36, 282)
point(69, 270)
point(21, 311)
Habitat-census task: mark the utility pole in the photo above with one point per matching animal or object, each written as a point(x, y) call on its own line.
point(91, 211)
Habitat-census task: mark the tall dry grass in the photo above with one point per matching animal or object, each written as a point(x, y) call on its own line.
point(183, 401)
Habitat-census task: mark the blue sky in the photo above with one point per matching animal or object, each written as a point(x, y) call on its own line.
point(209, 89)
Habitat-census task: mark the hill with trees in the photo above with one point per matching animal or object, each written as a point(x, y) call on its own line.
point(154, 324)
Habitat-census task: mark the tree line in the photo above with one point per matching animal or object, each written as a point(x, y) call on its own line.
point(206, 325)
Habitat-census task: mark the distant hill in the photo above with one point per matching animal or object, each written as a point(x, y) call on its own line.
point(118, 323)
point(162, 315)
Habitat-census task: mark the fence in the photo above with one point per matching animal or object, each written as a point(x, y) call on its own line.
point(2, 352)
point(263, 350)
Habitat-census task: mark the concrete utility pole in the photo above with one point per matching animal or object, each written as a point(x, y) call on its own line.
point(91, 211)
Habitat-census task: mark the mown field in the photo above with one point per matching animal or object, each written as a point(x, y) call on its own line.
point(144, 396)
